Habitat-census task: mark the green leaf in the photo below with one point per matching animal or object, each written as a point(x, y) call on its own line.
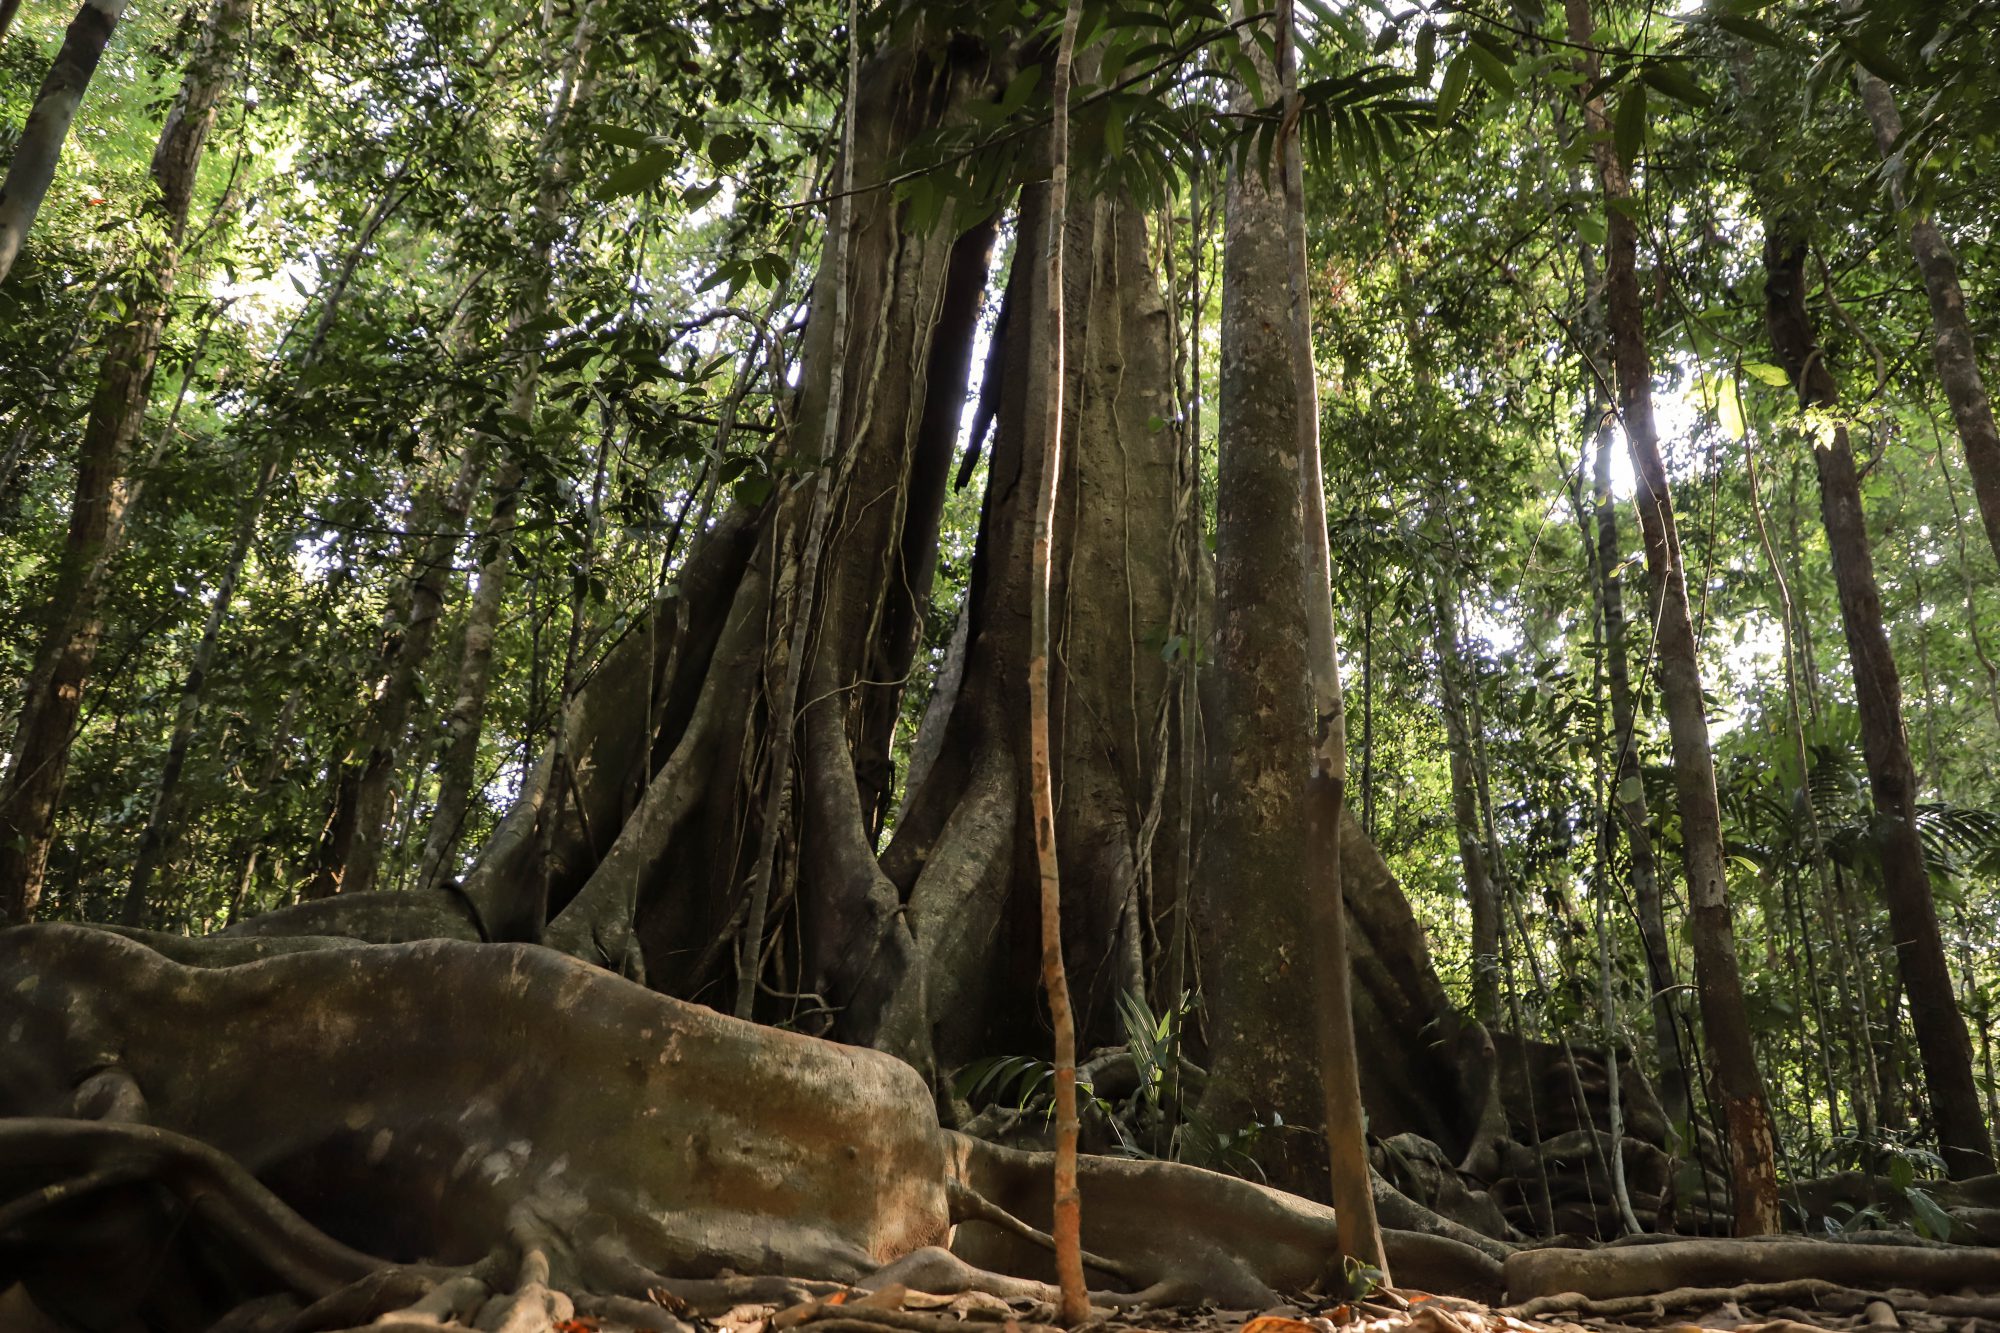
point(1455, 76)
point(1752, 30)
point(636, 175)
point(1492, 69)
point(1591, 226)
point(1672, 78)
point(1766, 373)
point(726, 150)
point(621, 135)
point(1932, 1222)
point(695, 196)
point(1628, 126)
point(1016, 94)
point(1729, 408)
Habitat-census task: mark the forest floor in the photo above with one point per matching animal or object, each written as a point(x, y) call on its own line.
point(1768, 1308)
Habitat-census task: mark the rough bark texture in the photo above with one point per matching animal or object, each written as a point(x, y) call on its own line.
point(68, 647)
point(1255, 930)
point(33, 164)
point(1934, 1013)
point(1718, 978)
point(1952, 348)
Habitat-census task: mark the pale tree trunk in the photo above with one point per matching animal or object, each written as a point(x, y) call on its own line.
point(353, 866)
point(1628, 793)
point(68, 648)
point(465, 718)
point(162, 823)
point(1952, 348)
point(406, 647)
point(1256, 867)
point(1732, 1057)
point(1481, 896)
point(1940, 1029)
point(40, 146)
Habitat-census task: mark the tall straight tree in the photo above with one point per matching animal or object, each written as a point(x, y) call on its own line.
point(33, 165)
point(1732, 1058)
point(1952, 349)
point(409, 645)
point(1628, 792)
point(1878, 696)
point(69, 643)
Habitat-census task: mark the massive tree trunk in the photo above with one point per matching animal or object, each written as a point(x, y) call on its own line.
point(1952, 348)
point(1718, 978)
point(1255, 923)
point(40, 146)
point(69, 643)
point(1934, 1014)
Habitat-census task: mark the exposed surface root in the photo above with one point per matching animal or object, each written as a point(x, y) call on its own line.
point(1637, 1270)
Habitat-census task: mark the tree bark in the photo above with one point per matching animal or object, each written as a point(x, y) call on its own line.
point(465, 719)
point(1718, 977)
point(1629, 793)
point(1952, 348)
point(1480, 894)
point(1256, 866)
point(1934, 1014)
point(406, 647)
point(1345, 1123)
point(68, 648)
point(162, 823)
point(40, 147)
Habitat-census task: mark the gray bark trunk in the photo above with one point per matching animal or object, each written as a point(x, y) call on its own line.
point(1952, 348)
point(40, 147)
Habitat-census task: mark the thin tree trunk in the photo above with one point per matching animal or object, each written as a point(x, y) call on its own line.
point(40, 147)
point(1952, 348)
point(1067, 1228)
point(1326, 785)
point(164, 818)
point(1934, 1013)
point(406, 647)
point(8, 9)
point(1628, 794)
point(389, 721)
point(1479, 891)
point(68, 649)
point(1718, 977)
